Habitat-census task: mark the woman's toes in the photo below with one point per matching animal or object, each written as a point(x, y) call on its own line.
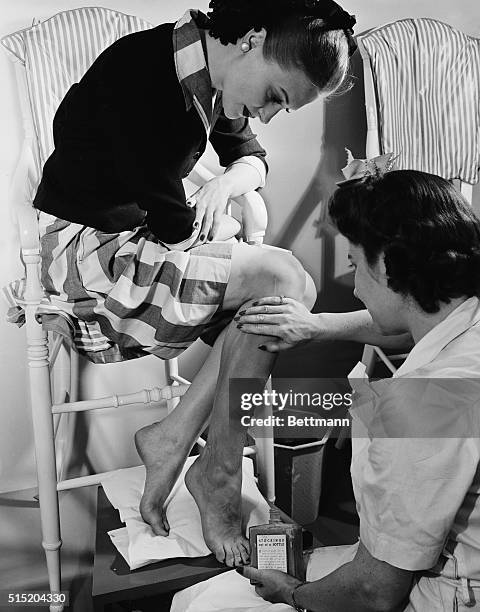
point(158, 527)
point(229, 556)
point(220, 554)
point(154, 518)
point(244, 553)
point(237, 558)
point(166, 524)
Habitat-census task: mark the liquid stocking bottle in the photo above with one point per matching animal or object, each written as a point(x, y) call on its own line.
point(277, 545)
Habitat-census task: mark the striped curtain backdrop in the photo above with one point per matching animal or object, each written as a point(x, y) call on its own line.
point(57, 53)
point(427, 80)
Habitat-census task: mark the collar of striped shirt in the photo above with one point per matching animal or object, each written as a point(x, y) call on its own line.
point(191, 67)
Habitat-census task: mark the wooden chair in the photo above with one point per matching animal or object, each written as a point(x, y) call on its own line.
point(422, 98)
point(87, 32)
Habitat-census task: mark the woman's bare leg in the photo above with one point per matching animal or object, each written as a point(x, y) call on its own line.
point(164, 446)
point(215, 478)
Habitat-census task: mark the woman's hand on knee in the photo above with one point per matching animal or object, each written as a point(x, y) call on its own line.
point(288, 321)
point(210, 202)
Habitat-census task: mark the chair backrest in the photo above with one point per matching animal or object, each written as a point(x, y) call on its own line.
point(426, 80)
point(56, 53)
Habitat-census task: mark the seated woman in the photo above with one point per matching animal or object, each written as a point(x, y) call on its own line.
point(121, 246)
point(415, 246)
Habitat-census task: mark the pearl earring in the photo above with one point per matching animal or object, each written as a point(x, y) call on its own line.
point(245, 47)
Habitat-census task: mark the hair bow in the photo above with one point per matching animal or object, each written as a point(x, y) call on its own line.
point(358, 169)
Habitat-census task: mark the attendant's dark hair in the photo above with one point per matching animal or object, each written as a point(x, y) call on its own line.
point(315, 36)
point(428, 233)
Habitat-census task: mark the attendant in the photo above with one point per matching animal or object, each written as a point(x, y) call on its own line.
point(414, 244)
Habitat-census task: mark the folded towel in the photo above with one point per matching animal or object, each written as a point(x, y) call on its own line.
point(137, 543)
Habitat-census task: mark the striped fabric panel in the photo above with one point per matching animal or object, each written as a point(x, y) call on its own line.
point(191, 67)
point(125, 290)
point(15, 44)
point(178, 295)
point(427, 78)
point(58, 52)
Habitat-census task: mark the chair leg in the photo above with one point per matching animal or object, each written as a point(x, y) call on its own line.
point(74, 374)
point(60, 385)
point(369, 358)
point(171, 369)
point(41, 403)
point(265, 453)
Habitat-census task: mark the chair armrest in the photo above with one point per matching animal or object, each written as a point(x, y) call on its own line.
point(254, 217)
point(254, 212)
point(21, 194)
point(28, 227)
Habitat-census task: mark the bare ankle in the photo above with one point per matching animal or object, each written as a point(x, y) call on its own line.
point(218, 471)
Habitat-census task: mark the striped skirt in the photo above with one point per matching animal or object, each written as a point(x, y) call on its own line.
point(126, 294)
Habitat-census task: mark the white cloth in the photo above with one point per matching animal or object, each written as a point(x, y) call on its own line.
point(227, 592)
point(137, 543)
point(230, 592)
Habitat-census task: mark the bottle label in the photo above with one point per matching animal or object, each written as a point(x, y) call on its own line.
point(272, 551)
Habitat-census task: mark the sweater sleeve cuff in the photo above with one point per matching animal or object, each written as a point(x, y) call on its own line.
point(255, 162)
point(186, 244)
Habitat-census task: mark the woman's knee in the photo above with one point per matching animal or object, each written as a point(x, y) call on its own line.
point(310, 296)
point(298, 283)
point(259, 272)
point(277, 273)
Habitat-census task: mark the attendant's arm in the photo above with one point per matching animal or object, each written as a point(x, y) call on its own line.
point(291, 323)
point(357, 326)
point(364, 585)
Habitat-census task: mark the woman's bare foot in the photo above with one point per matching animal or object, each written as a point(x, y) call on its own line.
point(218, 497)
point(163, 455)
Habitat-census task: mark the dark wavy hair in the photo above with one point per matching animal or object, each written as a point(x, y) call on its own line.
point(429, 235)
point(315, 36)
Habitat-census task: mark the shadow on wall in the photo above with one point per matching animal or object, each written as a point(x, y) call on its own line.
point(345, 126)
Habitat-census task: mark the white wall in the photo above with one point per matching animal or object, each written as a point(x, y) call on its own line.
point(304, 156)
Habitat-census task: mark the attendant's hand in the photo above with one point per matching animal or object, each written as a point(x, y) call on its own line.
point(287, 320)
point(210, 202)
point(274, 586)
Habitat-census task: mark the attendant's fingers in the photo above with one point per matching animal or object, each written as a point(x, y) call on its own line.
point(274, 300)
point(266, 309)
point(275, 347)
point(260, 319)
point(252, 573)
point(263, 329)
